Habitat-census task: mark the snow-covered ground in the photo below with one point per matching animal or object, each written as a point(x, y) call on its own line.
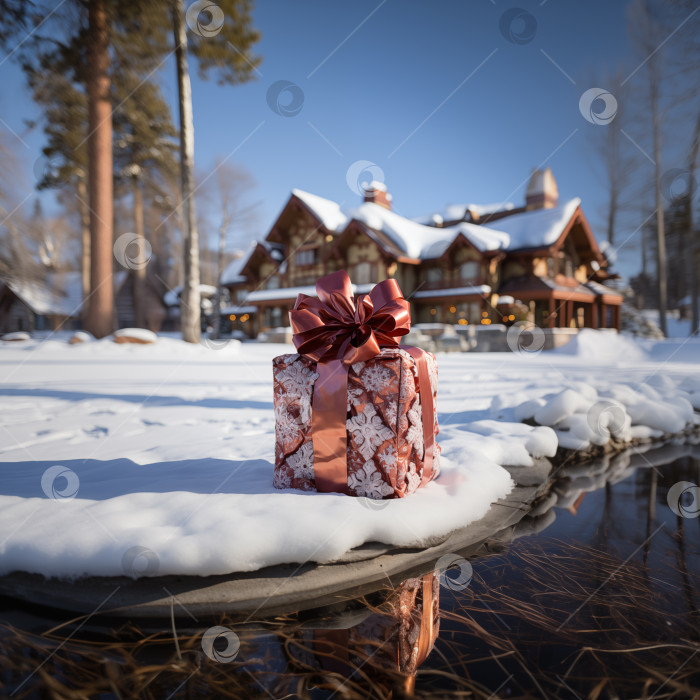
point(157, 459)
point(676, 327)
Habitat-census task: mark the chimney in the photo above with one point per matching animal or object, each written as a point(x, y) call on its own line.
point(376, 192)
point(542, 192)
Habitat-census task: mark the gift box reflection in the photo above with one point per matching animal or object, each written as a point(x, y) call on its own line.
point(397, 637)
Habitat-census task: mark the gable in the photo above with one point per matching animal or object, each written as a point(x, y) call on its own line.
point(578, 233)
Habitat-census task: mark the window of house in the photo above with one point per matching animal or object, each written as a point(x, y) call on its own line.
point(433, 274)
point(551, 268)
point(469, 270)
point(306, 256)
point(273, 282)
point(567, 267)
point(363, 273)
point(241, 295)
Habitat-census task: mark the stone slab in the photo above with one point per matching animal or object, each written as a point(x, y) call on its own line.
point(277, 589)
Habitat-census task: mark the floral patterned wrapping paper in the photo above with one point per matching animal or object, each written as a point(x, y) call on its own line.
point(384, 424)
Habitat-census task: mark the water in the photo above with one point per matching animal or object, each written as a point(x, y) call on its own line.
point(597, 596)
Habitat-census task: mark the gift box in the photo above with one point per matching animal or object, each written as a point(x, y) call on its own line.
point(355, 412)
point(383, 421)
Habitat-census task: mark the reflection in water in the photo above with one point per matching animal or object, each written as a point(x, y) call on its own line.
point(595, 595)
point(394, 638)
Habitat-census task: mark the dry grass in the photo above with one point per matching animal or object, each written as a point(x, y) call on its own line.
point(511, 633)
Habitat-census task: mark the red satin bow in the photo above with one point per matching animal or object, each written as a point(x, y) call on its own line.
point(333, 327)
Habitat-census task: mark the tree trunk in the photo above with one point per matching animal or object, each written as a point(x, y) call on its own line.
point(189, 300)
point(220, 271)
point(101, 300)
point(84, 212)
point(693, 239)
point(612, 214)
point(659, 202)
point(138, 279)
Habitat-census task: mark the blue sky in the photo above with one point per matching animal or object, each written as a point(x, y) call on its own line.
point(433, 93)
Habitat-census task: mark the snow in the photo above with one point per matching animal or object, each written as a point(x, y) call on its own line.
point(82, 337)
point(605, 344)
point(601, 289)
point(532, 229)
point(293, 292)
point(420, 241)
point(141, 334)
point(676, 327)
point(456, 212)
point(61, 293)
point(453, 291)
point(16, 336)
point(172, 296)
point(328, 212)
point(232, 272)
point(587, 413)
point(170, 446)
point(236, 309)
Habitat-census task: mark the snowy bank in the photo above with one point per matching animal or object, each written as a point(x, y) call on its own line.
point(608, 411)
point(157, 459)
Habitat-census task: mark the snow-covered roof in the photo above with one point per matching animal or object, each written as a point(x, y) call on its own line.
point(529, 229)
point(418, 241)
point(601, 289)
point(232, 271)
point(454, 291)
point(329, 213)
point(410, 237)
point(537, 228)
point(61, 293)
point(293, 292)
point(237, 309)
point(172, 296)
point(457, 212)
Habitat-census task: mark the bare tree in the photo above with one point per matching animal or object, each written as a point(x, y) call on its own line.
point(646, 31)
point(617, 156)
point(232, 184)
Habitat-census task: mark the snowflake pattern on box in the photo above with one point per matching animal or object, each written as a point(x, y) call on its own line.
point(384, 424)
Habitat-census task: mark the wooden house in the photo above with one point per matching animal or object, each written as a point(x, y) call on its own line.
point(470, 265)
point(53, 303)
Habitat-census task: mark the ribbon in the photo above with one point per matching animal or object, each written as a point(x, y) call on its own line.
point(337, 332)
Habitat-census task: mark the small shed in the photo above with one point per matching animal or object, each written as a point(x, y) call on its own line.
point(35, 305)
